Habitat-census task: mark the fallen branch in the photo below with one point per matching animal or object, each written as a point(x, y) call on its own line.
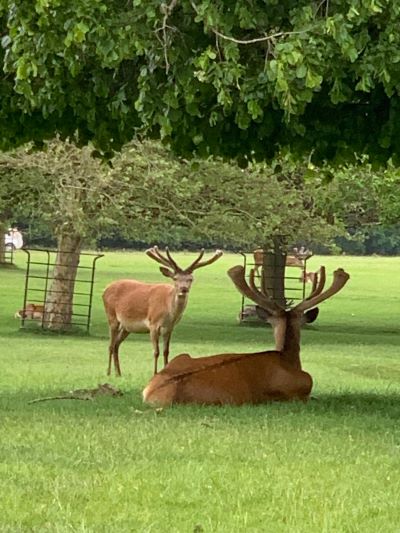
point(67, 397)
point(104, 389)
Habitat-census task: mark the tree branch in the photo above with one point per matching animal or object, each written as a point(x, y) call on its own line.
point(166, 9)
point(267, 38)
point(258, 39)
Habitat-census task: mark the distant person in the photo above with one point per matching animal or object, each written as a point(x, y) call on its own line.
point(14, 239)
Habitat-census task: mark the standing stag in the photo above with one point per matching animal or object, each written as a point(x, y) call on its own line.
point(248, 377)
point(137, 307)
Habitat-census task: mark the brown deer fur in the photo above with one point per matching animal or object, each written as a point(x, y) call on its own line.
point(291, 260)
point(134, 306)
point(247, 377)
point(31, 311)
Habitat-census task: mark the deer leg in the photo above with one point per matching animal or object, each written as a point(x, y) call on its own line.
point(166, 340)
point(155, 337)
point(114, 327)
point(122, 334)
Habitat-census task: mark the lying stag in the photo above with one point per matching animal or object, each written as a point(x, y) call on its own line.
point(136, 307)
point(31, 311)
point(248, 377)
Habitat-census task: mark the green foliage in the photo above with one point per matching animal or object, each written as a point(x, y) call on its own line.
point(236, 80)
point(383, 240)
point(115, 465)
point(61, 186)
point(206, 202)
point(149, 195)
point(366, 200)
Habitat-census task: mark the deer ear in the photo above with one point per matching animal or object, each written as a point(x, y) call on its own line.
point(311, 315)
point(166, 272)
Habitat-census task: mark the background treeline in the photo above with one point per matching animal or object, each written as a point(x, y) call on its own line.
point(366, 241)
point(145, 195)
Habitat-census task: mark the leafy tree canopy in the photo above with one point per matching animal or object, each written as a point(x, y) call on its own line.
point(359, 195)
point(61, 186)
point(149, 195)
point(237, 79)
point(212, 202)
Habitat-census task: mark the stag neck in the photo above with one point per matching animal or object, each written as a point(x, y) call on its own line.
point(286, 328)
point(291, 346)
point(179, 303)
point(289, 343)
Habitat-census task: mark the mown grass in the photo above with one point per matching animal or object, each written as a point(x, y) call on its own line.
point(331, 465)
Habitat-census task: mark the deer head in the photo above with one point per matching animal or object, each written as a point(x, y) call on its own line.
point(182, 277)
point(286, 323)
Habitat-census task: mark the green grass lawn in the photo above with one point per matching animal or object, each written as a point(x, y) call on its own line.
point(115, 465)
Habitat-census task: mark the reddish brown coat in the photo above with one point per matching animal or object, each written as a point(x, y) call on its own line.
point(247, 378)
point(135, 307)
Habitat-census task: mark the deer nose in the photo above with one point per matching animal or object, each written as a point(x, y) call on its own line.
point(183, 290)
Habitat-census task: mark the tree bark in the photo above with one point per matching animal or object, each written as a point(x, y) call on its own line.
point(59, 300)
point(273, 271)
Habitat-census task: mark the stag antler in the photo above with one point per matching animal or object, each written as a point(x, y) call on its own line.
point(261, 291)
point(167, 260)
point(155, 254)
point(198, 264)
point(340, 278)
point(237, 275)
point(318, 283)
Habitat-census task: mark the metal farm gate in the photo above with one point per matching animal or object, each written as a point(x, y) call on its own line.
point(294, 280)
point(9, 255)
point(38, 279)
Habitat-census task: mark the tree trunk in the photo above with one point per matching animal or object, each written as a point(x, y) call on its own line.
point(59, 300)
point(273, 271)
point(3, 230)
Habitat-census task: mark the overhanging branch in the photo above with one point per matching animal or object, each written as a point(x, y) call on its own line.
point(166, 9)
point(266, 38)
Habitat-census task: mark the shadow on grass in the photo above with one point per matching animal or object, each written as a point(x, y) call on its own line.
point(361, 406)
point(353, 330)
point(208, 333)
point(9, 266)
point(35, 330)
point(360, 403)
